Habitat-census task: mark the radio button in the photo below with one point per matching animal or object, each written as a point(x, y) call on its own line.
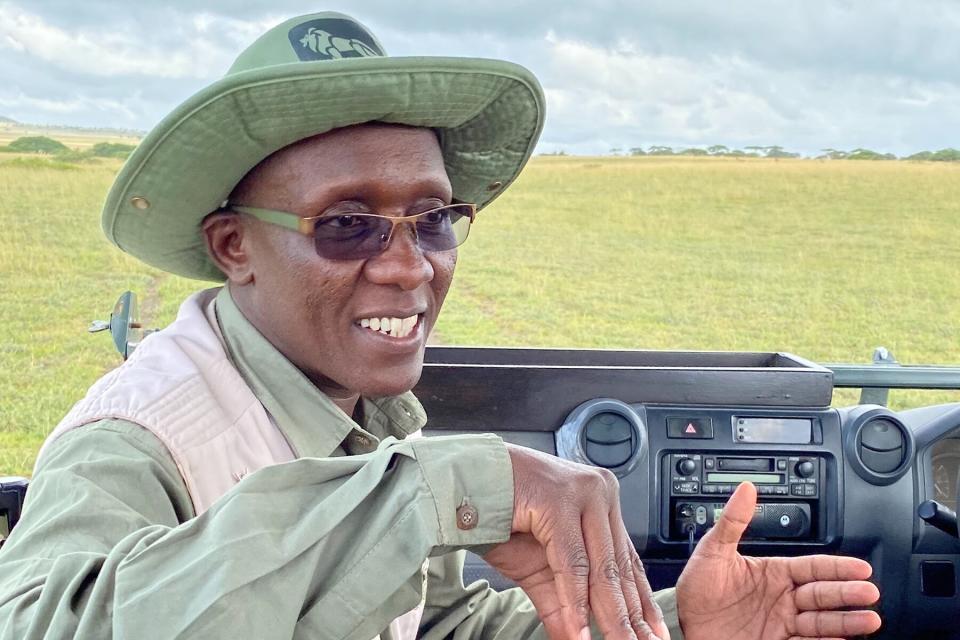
point(781, 465)
point(709, 488)
point(709, 463)
point(686, 467)
point(806, 469)
point(780, 491)
point(701, 517)
point(809, 489)
point(796, 489)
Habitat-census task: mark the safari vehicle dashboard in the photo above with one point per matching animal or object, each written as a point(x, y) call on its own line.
point(682, 429)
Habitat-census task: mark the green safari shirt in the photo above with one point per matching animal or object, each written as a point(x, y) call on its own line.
point(109, 544)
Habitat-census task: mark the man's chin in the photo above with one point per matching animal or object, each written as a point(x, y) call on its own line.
point(390, 382)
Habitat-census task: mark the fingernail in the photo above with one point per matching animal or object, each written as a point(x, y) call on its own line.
point(585, 634)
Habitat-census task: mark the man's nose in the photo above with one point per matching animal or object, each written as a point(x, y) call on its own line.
point(402, 263)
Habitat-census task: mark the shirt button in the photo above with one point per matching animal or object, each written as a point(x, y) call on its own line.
point(467, 517)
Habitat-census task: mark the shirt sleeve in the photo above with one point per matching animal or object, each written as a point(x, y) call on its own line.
point(326, 548)
point(477, 612)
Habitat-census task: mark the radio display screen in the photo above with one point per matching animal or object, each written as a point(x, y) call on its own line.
point(774, 430)
point(756, 478)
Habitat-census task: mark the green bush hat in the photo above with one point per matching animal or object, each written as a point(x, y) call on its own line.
point(304, 77)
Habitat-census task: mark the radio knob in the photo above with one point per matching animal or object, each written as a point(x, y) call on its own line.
point(686, 467)
point(805, 469)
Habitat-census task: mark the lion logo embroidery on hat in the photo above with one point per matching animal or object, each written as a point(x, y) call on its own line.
point(330, 39)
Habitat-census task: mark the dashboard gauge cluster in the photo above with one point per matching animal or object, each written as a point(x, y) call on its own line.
point(945, 470)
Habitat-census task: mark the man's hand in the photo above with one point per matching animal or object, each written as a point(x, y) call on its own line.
point(571, 553)
point(722, 594)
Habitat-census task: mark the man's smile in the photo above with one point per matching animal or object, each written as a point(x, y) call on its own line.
point(393, 326)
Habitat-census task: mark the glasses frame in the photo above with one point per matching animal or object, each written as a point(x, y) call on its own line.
point(307, 226)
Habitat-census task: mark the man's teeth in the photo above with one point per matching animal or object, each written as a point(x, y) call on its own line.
point(393, 327)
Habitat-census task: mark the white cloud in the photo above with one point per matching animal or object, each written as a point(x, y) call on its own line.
point(624, 96)
point(107, 107)
point(110, 51)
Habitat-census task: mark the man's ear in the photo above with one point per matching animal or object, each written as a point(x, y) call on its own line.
point(224, 234)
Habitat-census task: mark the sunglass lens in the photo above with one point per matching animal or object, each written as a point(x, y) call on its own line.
point(350, 237)
point(445, 228)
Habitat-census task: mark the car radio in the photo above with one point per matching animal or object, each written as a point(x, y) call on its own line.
point(697, 480)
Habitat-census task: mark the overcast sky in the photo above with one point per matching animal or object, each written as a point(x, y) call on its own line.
point(804, 74)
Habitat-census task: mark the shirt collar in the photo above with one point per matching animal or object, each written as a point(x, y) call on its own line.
point(309, 420)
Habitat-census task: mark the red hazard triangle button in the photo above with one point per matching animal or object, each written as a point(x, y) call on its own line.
point(690, 427)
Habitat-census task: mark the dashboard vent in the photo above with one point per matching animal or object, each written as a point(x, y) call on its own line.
point(881, 445)
point(607, 433)
point(610, 440)
point(877, 444)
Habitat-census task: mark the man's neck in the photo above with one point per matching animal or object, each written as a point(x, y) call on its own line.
point(347, 405)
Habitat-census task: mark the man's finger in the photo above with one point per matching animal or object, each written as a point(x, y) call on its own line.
point(823, 596)
point(567, 556)
point(836, 624)
point(636, 587)
point(811, 568)
point(543, 595)
point(607, 601)
point(725, 535)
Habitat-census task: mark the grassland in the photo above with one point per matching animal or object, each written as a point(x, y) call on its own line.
point(824, 259)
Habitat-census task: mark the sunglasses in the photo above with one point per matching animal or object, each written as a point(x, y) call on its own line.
point(358, 236)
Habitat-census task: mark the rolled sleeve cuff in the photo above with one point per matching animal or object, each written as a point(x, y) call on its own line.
point(471, 481)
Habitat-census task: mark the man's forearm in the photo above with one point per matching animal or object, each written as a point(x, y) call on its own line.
point(331, 540)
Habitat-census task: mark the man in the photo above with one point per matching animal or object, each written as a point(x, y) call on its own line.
point(254, 471)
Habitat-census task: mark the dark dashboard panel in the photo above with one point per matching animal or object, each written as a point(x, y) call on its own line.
point(681, 429)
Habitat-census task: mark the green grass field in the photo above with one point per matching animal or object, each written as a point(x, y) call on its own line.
point(823, 259)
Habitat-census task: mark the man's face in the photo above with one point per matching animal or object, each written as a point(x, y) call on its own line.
point(313, 309)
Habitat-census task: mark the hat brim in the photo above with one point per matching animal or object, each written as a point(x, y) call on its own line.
point(489, 114)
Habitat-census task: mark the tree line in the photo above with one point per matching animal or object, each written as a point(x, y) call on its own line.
point(42, 145)
point(774, 151)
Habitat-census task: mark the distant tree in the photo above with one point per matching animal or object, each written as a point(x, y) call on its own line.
point(921, 155)
point(778, 152)
point(834, 154)
point(112, 150)
point(693, 151)
point(946, 155)
point(737, 153)
point(637, 151)
point(755, 151)
point(718, 150)
point(37, 144)
point(616, 151)
point(658, 150)
point(866, 154)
